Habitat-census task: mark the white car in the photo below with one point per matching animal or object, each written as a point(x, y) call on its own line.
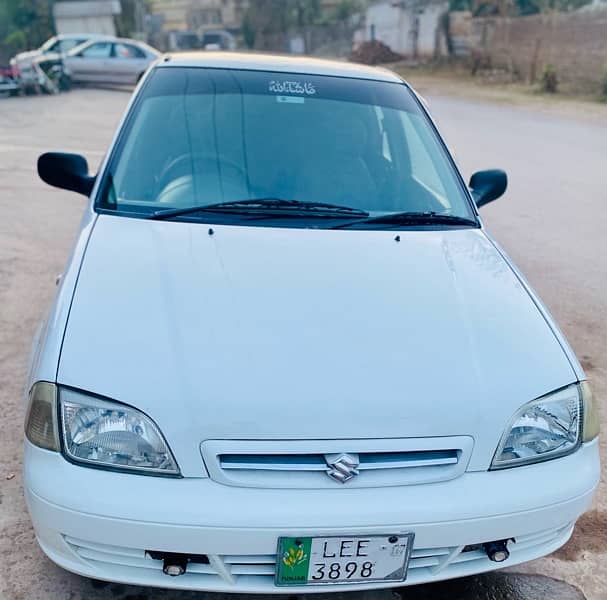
point(26, 65)
point(286, 356)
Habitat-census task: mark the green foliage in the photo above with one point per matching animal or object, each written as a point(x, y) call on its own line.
point(346, 9)
point(456, 5)
point(267, 18)
point(604, 85)
point(303, 12)
point(530, 7)
point(515, 7)
point(248, 31)
point(23, 24)
point(549, 81)
point(16, 39)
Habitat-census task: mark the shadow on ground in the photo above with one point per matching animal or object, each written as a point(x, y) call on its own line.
point(494, 586)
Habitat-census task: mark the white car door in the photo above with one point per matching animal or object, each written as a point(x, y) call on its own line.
point(90, 64)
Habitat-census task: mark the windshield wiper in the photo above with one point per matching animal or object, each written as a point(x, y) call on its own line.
point(264, 205)
point(412, 218)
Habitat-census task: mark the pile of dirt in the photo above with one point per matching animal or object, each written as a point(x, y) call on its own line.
point(374, 53)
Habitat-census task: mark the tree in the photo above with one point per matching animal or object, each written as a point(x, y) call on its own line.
point(24, 24)
point(346, 9)
point(267, 22)
point(481, 8)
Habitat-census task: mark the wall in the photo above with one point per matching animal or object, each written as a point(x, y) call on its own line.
point(390, 25)
point(410, 28)
point(200, 15)
point(172, 12)
point(574, 43)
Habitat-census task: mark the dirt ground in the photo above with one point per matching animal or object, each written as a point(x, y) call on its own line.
point(460, 84)
point(552, 222)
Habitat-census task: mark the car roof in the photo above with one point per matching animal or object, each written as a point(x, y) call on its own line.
point(77, 36)
point(114, 40)
point(277, 63)
point(109, 38)
point(122, 40)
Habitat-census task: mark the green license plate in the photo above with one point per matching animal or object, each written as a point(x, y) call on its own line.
point(343, 559)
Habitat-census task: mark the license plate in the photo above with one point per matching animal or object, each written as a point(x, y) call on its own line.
point(354, 559)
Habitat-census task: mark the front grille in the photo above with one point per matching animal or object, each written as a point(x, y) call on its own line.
point(316, 462)
point(369, 463)
point(307, 464)
point(263, 565)
point(257, 570)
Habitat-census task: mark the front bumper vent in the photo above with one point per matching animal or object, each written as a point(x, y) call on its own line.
point(256, 571)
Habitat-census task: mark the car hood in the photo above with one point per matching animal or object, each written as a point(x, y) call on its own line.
point(263, 333)
point(24, 59)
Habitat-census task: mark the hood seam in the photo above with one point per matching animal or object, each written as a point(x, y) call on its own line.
point(548, 319)
point(69, 310)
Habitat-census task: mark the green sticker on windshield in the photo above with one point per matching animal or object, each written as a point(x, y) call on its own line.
point(290, 99)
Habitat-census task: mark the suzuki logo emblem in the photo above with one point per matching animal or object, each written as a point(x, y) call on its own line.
point(342, 467)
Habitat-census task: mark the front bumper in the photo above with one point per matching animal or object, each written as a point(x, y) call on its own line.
point(99, 524)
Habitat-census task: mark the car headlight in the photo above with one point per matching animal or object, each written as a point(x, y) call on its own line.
point(592, 419)
point(97, 432)
point(551, 426)
point(41, 419)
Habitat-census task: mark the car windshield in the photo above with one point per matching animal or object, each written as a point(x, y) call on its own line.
point(199, 136)
point(61, 45)
point(49, 45)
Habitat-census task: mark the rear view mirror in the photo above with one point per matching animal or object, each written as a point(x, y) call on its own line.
point(66, 171)
point(488, 185)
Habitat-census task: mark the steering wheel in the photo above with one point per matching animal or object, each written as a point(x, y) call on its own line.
point(181, 168)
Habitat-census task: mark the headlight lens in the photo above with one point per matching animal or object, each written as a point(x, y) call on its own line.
point(109, 434)
point(543, 429)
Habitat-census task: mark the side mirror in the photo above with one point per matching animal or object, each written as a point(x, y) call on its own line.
point(66, 171)
point(488, 185)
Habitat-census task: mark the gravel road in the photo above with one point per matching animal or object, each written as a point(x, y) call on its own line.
point(552, 222)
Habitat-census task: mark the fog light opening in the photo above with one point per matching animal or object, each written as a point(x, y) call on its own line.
point(175, 564)
point(497, 551)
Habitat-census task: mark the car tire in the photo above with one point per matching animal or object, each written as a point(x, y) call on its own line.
point(65, 83)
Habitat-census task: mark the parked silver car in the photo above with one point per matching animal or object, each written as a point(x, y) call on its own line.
point(111, 60)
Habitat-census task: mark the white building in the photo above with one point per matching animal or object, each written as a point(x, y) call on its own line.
point(86, 16)
point(409, 27)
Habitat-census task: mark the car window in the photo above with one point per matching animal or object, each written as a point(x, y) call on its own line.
point(420, 150)
point(97, 50)
point(127, 51)
point(66, 45)
point(199, 136)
